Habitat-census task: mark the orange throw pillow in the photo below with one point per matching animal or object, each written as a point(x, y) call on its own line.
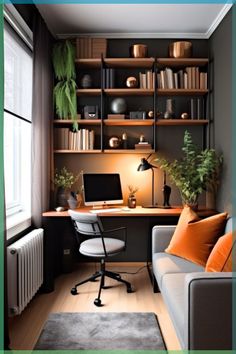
point(220, 259)
point(194, 239)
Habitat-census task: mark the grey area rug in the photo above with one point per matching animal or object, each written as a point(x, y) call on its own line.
point(101, 331)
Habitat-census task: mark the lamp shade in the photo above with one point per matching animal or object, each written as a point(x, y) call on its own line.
point(144, 165)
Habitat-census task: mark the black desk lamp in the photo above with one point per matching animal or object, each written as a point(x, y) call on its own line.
point(144, 166)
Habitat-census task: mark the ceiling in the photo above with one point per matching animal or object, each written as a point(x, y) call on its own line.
point(134, 20)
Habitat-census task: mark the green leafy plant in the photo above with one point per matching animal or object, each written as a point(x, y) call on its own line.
point(194, 172)
point(63, 57)
point(65, 179)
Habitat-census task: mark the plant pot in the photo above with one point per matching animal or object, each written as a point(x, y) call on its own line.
point(62, 197)
point(193, 206)
point(131, 201)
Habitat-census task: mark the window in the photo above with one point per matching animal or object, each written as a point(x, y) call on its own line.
point(18, 67)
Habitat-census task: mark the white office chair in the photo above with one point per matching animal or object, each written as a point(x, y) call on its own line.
point(98, 246)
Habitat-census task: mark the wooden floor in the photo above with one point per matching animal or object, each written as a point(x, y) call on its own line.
point(25, 329)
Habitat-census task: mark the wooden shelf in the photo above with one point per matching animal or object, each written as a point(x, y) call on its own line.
point(181, 62)
point(182, 122)
point(129, 92)
point(181, 92)
point(79, 121)
point(88, 92)
point(129, 122)
point(129, 62)
point(77, 151)
point(89, 63)
point(129, 151)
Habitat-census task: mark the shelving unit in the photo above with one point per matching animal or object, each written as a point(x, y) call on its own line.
point(102, 94)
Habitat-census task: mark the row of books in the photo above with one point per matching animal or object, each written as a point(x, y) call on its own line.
point(88, 47)
point(109, 78)
point(147, 80)
point(197, 109)
point(191, 78)
point(65, 139)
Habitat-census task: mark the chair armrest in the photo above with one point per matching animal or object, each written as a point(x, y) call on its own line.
point(208, 311)
point(161, 236)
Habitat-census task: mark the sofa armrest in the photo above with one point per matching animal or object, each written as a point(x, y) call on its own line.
point(208, 311)
point(161, 236)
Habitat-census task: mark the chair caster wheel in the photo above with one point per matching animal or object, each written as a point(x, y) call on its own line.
point(130, 290)
point(74, 291)
point(97, 302)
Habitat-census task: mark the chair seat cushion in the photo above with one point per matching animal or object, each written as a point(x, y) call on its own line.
point(94, 247)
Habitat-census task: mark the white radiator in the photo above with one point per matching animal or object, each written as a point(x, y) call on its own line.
point(25, 270)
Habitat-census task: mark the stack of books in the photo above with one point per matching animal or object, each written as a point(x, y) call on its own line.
point(65, 139)
point(197, 109)
point(147, 80)
point(191, 78)
point(88, 47)
point(109, 78)
point(143, 145)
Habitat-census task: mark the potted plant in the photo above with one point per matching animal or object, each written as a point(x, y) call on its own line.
point(194, 172)
point(64, 180)
point(132, 197)
point(63, 57)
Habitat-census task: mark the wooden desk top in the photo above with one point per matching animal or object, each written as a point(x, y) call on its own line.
point(138, 211)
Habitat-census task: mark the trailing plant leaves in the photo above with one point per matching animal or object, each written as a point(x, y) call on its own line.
point(65, 99)
point(63, 57)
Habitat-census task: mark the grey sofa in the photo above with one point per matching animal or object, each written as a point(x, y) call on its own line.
point(199, 303)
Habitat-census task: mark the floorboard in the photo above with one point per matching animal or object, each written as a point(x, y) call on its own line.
point(25, 328)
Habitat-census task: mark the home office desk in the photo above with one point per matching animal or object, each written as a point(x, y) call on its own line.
point(61, 248)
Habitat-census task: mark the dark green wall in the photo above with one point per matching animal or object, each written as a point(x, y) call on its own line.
point(220, 45)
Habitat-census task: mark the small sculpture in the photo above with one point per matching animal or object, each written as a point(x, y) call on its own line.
point(184, 115)
point(86, 81)
point(166, 193)
point(169, 113)
point(118, 106)
point(131, 82)
point(114, 142)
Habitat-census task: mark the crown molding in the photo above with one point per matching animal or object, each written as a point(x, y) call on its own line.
point(218, 20)
point(135, 35)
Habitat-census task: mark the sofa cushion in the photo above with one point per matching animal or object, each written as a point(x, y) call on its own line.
point(173, 294)
point(164, 263)
point(220, 259)
point(194, 241)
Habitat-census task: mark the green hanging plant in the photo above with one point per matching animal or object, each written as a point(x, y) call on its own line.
point(63, 57)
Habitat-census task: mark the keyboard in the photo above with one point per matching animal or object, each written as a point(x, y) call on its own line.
point(108, 210)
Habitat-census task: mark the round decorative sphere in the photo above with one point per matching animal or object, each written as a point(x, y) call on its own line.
point(184, 115)
point(118, 106)
point(131, 82)
point(86, 81)
point(114, 142)
point(150, 114)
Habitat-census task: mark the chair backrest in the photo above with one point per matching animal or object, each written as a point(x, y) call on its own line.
point(86, 223)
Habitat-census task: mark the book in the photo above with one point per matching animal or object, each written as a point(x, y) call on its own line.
point(112, 78)
point(143, 146)
point(193, 108)
point(116, 116)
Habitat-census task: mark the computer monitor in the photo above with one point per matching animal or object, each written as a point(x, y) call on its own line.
point(102, 189)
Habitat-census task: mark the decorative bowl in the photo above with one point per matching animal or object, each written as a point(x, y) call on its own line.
point(138, 51)
point(180, 49)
